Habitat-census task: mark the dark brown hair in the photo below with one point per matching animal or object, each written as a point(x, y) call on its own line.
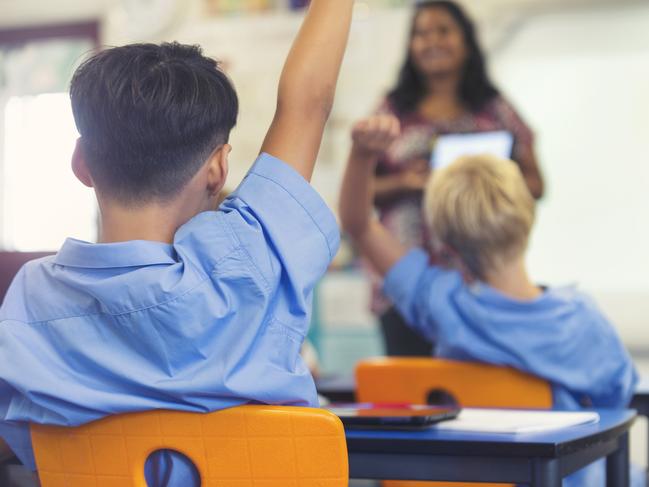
point(149, 116)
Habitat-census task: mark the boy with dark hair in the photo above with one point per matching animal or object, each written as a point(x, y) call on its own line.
point(178, 306)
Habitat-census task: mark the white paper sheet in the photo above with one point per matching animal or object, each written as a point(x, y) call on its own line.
point(510, 421)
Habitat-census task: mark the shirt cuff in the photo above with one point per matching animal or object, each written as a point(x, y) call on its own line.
point(277, 171)
point(401, 281)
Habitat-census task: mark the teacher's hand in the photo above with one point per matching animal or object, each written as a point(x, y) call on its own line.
point(412, 180)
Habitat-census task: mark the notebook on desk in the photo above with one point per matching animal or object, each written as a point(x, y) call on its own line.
point(511, 421)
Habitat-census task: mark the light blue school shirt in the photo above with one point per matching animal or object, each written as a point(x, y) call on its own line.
point(560, 336)
point(214, 320)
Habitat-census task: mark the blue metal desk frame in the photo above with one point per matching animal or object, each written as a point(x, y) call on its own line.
point(540, 460)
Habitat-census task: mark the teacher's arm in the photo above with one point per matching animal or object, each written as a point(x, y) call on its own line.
point(407, 181)
point(523, 152)
point(531, 173)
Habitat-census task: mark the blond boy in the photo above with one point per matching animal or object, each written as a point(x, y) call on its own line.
point(481, 305)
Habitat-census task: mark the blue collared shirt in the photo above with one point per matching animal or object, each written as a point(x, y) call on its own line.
point(560, 336)
point(214, 320)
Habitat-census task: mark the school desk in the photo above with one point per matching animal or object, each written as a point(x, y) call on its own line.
point(640, 403)
point(540, 459)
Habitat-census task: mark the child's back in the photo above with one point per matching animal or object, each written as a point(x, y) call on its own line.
point(179, 306)
point(194, 324)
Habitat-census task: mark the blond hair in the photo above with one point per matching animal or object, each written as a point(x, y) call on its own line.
point(481, 208)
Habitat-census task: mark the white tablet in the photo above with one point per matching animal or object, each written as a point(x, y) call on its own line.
point(447, 148)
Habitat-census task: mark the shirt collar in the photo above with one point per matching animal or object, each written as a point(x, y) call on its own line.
point(134, 253)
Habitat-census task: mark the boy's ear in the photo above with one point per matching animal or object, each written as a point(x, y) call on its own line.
point(79, 166)
point(217, 169)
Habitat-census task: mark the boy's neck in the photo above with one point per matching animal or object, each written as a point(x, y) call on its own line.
point(513, 281)
point(148, 223)
point(153, 222)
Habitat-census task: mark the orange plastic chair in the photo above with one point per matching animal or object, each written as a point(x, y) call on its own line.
point(470, 384)
point(246, 446)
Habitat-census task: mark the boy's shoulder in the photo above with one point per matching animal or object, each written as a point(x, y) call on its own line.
point(28, 275)
point(571, 294)
point(556, 306)
point(275, 199)
point(570, 308)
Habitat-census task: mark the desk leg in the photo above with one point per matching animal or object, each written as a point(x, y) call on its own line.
point(617, 464)
point(545, 473)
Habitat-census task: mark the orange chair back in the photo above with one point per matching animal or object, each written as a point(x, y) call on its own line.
point(470, 384)
point(246, 446)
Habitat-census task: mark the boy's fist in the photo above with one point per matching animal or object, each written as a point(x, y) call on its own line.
point(372, 136)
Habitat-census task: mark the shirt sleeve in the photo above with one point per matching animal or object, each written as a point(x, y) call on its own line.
point(603, 368)
point(15, 434)
point(287, 230)
point(410, 284)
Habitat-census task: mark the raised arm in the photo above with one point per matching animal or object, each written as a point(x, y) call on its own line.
point(307, 85)
point(370, 138)
point(531, 173)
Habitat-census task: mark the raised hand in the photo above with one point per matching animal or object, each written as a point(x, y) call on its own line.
point(372, 136)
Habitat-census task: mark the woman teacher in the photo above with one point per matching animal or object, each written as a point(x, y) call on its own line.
point(442, 88)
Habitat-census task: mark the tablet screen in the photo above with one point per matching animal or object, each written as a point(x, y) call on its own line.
point(447, 148)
